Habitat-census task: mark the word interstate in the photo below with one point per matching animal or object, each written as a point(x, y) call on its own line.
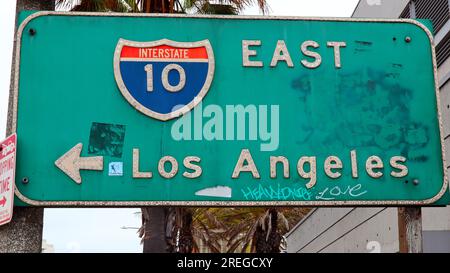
point(306, 167)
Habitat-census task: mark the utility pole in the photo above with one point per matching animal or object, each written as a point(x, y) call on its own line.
point(410, 229)
point(24, 232)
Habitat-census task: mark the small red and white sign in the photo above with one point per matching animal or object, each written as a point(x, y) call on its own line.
point(7, 177)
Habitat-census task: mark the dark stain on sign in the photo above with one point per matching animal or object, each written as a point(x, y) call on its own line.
point(375, 108)
point(392, 75)
point(362, 46)
point(303, 85)
point(363, 43)
point(420, 158)
point(397, 65)
point(106, 139)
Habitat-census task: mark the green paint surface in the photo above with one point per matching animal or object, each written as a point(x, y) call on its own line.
point(381, 102)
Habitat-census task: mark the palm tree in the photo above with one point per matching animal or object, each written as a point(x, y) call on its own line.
point(98, 5)
point(163, 6)
point(206, 229)
point(256, 229)
point(224, 6)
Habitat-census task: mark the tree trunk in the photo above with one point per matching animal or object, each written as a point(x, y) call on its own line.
point(155, 230)
point(265, 240)
point(24, 233)
point(158, 6)
point(184, 231)
point(167, 230)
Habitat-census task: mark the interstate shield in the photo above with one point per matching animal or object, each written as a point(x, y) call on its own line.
point(163, 79)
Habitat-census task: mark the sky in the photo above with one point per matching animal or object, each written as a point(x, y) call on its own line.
point(114, 230)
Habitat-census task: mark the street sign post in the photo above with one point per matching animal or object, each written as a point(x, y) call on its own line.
point(136, 110)
point(7, 176)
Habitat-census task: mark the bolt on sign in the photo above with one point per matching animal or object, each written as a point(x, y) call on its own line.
point(134, 110)
point(7, 175)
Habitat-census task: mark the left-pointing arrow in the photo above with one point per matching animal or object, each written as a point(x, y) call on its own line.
point(71, 163)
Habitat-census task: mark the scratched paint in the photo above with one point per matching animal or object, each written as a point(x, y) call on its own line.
point(218, 191)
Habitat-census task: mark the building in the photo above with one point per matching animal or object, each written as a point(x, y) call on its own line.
point(377, 229)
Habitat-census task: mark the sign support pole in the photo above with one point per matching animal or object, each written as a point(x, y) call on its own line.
point(410, 229)
point(24, 232)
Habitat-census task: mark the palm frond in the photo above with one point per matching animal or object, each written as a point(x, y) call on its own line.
point(269, 225)
point(99, 5)
point(284, 220)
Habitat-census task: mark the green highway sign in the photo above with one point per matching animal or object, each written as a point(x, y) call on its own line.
point(135, 110)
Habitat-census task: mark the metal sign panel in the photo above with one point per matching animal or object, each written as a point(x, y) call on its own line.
point(7, 176)
point(135, 110)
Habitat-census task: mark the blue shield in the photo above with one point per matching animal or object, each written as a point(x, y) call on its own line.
point(164, 79)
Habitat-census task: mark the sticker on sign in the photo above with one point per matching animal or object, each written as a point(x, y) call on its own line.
point(7, 175)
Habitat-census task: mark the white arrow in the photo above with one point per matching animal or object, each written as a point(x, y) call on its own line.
point(71, 163)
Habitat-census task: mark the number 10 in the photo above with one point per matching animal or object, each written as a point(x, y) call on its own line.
point(165, 77)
